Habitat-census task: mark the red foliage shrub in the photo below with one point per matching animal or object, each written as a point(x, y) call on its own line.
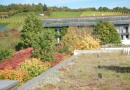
point(59, 58)
point(17, 58)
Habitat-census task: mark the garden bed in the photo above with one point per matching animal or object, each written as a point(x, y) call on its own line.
point(102, 71)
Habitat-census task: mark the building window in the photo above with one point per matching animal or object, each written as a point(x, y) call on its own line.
point(127, 36)
point(58, 30)
point(126, 27)
point(122, 37)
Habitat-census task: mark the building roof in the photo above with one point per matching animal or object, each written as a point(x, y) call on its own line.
point(85, 21)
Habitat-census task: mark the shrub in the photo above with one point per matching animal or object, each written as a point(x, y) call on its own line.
point(60, 57)
point(44, 45)
point(4, 54)
point(14, 74)
point(17, 58)
point(34, 66)
point(76, 39)
point(107, 33)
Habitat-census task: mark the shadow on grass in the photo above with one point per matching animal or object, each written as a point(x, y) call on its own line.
point(117, 69)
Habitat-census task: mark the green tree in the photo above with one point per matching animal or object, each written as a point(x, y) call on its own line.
point(41, 39)
point(39, 7)
point(103, 9)
point(32, 27)
point(63, 31)
point(107, 33)
point(44, 44)
point(45, 7)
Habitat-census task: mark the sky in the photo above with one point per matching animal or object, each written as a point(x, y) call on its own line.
point(73, 3)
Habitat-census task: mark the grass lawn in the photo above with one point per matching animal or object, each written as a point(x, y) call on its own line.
point(106, 71)
point(16, 21)
point(97, 13)
point(65, 14)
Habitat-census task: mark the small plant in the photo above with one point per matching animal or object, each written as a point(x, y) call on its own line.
point(34, 66)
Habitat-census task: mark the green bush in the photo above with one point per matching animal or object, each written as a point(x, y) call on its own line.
point(4, 54)
point(107, 33)
point(44, 45)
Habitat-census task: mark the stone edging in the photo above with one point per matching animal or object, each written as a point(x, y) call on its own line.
point(8, 84)
point(102, 50)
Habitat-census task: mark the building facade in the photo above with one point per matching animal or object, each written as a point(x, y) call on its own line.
point(122, 23)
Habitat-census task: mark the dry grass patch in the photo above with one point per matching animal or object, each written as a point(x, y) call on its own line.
point(83, 74)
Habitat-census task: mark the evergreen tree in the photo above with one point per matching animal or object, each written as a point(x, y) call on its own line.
point(107, 33)
point(31, 27)
point(44, 45)
point(41, 39)
point(45, 7)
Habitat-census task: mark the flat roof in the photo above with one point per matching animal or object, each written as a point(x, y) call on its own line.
point(85, 21)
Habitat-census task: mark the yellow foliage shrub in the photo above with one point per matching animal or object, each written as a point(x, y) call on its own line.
point(34, 66)
point(25, 71)
point(14, 74)
point(77, 39)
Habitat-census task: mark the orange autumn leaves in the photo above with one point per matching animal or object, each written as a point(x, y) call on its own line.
point(14, 74)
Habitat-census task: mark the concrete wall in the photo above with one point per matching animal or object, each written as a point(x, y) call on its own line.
point(103, 50)
point(125, 42)
point(8, 84)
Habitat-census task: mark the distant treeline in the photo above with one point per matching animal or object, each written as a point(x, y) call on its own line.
point(18, 8)
point(102, 9)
